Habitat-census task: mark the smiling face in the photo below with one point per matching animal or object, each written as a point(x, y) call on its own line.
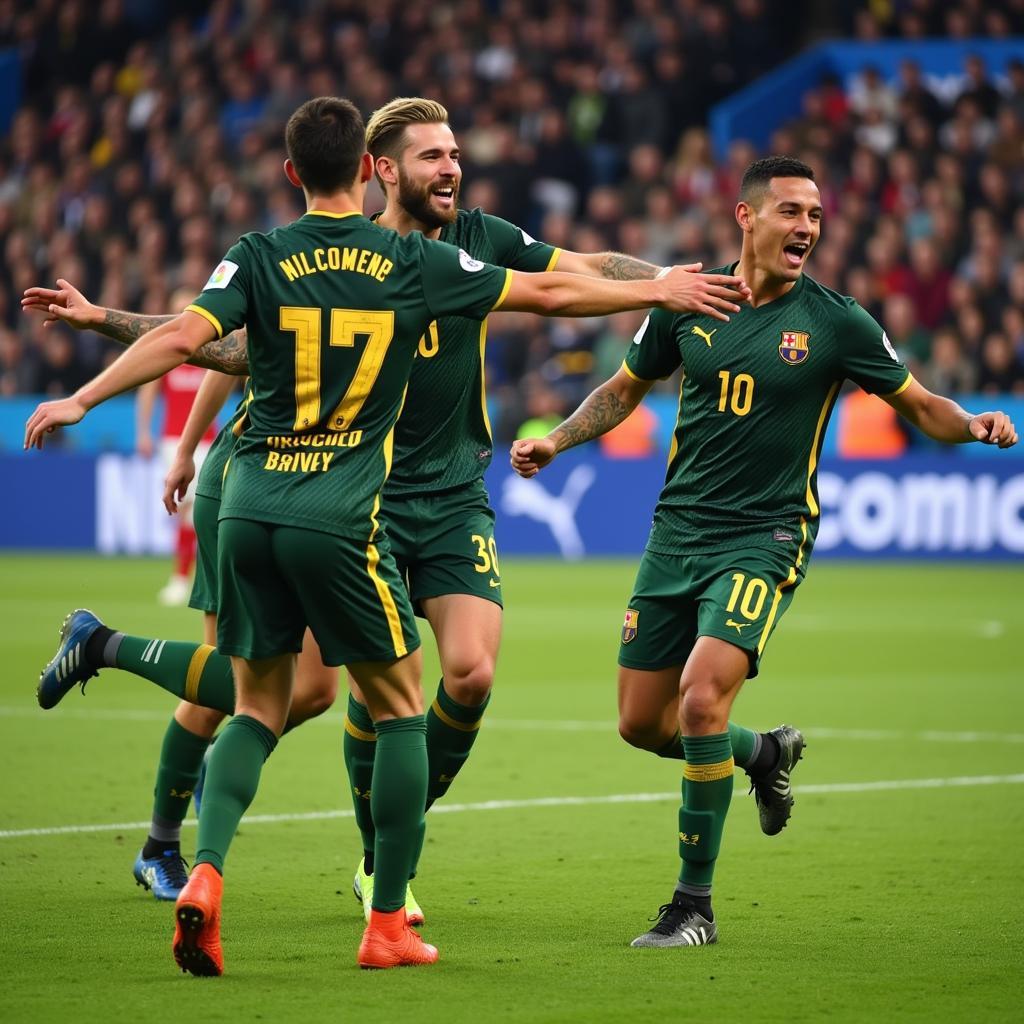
point(428, 175)
point(783, 227)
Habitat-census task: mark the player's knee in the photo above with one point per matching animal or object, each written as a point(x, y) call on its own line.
point(640, 734)
point(470, 682)
point(313, 695)
point(702, 709)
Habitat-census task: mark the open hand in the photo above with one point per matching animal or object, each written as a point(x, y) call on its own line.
point(714, 295)
point(49, 416)
point(65, 302)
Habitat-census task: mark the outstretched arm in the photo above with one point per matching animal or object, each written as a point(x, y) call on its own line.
point(943, 420)
point(66, 303)
point(613, 266)
point(162, 349)
point(604, 408)
point(677, 289)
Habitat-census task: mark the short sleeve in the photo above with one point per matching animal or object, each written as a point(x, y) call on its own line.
point(514, 248)
point(224, 300)
point(869, 360)
point(653, 353)
point(455, 284)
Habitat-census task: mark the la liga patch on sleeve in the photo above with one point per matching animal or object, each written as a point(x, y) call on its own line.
point(221, 277)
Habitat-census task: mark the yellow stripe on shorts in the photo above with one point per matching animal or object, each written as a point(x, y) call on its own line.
point(387, 602)
point(709, 772)
point(195, 671)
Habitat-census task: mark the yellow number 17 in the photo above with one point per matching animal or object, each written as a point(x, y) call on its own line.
point(305, 323)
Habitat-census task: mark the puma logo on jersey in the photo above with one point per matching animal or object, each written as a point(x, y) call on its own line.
point(706, 335)
point(738, 626)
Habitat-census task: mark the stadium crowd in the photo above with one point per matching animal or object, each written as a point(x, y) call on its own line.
point(149, 136)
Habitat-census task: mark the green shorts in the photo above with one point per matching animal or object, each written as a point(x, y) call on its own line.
point(274, 581)
point(444, 543)
point(738, 596)
point(204, 585)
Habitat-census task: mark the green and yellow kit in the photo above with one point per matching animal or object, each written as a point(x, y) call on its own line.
point(738, 514)
point(435, 509)
point(334, 308)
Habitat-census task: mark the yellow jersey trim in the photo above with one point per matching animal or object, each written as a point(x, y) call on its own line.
point(504, 290)
point(673, 448)
point(207, 315)
point(812, 461)
point(903, 387)
point(454, 723)
point(554, 259)
point(195, 671)
point(639, 380)
point(483, 380)
point(774, 610)
point(387, 601)
point(333, 216)
point(353, 730)
point(708, 772)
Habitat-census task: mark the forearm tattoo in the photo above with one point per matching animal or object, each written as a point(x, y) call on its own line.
point(616, 266)
point(600, 411)
point(128, 327)
point(229, 354)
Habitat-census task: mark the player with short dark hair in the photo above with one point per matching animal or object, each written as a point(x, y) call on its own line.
point(334, 307)
point(736, 520)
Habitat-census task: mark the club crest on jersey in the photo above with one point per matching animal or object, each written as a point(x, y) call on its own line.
point(793, 347)
point(629, 627)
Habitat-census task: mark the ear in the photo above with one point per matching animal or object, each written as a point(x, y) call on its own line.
point(745, 217)
point(387, 169)
point(290, 173)
point(365, 168)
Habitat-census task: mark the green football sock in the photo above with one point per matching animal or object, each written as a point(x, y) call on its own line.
point(745, 744)
point(707, 791)
point(193, 672)
point(232, 777)
point(452, 729)
point(359, 747)
point(398, 797)
point(181, 759)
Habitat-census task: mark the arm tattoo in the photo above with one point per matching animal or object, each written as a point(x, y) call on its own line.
point(128, 327)
point(229, 354)
point(618, 267)
point(601, 410)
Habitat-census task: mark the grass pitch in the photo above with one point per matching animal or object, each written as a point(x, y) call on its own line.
point(894, 894)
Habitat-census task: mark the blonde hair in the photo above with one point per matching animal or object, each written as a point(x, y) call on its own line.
point(385, 131)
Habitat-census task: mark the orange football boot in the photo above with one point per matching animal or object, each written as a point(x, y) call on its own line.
point(389, 942)
point(197, 924)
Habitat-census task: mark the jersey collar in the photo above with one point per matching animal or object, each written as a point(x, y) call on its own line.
point(333, 216)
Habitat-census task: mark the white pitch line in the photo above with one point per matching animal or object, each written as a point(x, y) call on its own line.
point(100, 714)
point(885, 785)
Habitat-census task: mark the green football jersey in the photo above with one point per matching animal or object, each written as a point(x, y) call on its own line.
point(755, 400)
point(334, 308)
point(440, 445)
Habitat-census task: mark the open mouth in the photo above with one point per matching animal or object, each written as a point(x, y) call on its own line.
point(796, 253)
point(444, 194)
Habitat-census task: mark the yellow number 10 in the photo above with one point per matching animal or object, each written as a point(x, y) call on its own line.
point(740, 396)
point(305, 323)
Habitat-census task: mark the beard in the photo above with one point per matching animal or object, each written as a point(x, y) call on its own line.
point(416, 201)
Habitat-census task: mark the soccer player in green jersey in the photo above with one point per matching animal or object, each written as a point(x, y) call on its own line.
point(435, 509)
point(736, 520)
point(334, 308)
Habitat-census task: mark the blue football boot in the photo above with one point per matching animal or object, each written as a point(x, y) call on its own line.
point(68, 666)
point(165, 876)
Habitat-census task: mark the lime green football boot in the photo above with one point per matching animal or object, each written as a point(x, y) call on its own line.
point(362, 887)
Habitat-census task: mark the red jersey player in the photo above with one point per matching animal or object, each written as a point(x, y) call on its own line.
point(178, 391)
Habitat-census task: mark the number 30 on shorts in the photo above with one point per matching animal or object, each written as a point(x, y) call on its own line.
point(748, 596)
point(487, 553)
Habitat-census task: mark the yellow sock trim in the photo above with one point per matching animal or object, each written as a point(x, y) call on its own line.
point(454, 723)
point(354, 730)
point(709, 772)
point(195, 671)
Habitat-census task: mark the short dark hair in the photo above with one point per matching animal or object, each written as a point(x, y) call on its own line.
point(758, 176)
point(326, 139)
